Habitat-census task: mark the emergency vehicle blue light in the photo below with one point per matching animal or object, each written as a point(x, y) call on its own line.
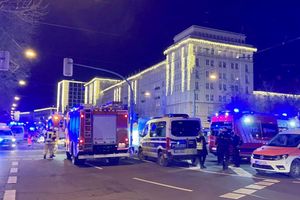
point(292, 123)
point(236, 110)
point(32, 128)
point(284, 114)
point(248, 120)
point(217, 114)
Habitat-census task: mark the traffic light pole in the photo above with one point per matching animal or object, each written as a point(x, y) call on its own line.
point(131, 111)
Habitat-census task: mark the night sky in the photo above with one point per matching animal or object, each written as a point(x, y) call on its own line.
point(130, 35)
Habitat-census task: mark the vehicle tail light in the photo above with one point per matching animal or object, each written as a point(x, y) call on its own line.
point(81, 141)
point(168, 143)
point(126, 140)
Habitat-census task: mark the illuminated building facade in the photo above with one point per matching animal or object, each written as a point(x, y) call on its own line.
point(94, 87)
point(203, 70)
point(69, 94)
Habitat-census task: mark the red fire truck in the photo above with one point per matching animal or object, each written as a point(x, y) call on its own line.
point(254, 129)
point(96, 133)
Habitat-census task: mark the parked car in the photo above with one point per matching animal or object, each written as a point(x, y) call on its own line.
point(7, 139)
point(281, 154)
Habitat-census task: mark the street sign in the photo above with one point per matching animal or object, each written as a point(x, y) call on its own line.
point(4, 60)
point(68, 67)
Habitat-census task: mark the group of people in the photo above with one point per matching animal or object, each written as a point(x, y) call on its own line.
point(228, 144)
point(50, 142)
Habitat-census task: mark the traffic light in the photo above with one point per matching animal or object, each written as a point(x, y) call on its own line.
point(4, 60)
point(68, 67)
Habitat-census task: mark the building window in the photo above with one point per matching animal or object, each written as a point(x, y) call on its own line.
point(224, 76)
point(247, 90)
point(196, 96)
point(197, 62)
point(211, 97)
point(220, 64)
point(232, 77)
point(236, 88)
point(197, 85)
point(212, 51)
point(211, 86)
point(220, 86)
point(207, 74)
point(207, 62)
point(207, 97)
point(246, 68)
point(220, 76)
point(224, 64)
point(157, 88)
point(224, 99)
point(232, 65)
point(236, 66)
point(247, 79)
point(207, 85)
point(220, 98)
point(197, 74)
point(212, 63)
point(232, 88)
point(224, 87)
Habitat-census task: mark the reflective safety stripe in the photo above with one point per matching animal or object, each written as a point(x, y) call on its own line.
point(199, 145)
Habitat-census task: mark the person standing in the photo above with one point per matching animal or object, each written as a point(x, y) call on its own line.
point(236, 144)
point(223, 145)
point(201, 149)
point(49, 142)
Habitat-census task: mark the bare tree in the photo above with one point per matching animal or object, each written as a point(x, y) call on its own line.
point(19, 21)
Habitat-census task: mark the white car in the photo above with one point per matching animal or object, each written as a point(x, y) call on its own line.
point(280, 155)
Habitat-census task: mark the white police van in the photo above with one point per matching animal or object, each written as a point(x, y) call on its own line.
point(168, 138)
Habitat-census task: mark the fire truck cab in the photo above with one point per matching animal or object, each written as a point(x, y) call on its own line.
point(254, 129)
point(96, 133)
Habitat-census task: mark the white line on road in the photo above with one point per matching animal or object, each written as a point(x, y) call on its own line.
point(244, 191)
point(272, 180)
point(264, 183)
point(298, 182)
point(93, 166)
point(9, 195)
point(15, 163)
point(240, 171)
point(12, 179)
point(256, 187)
point(14, 170)
point(163, 185)
point(232, 196)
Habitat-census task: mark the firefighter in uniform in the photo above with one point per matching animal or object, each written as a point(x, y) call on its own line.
point(236, 143)
point(223, 145)
point(50, 138)
point(201, 149)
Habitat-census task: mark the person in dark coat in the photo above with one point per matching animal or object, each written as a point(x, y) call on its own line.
point(223, 145)
point(201, 149)
point(236, 144)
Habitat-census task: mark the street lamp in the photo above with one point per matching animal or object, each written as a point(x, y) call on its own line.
point(147, 94)
point(16, 98)
point(12, 108)
point(213, 76)
point(14, 105)
point(22, 82)
point(30, 54)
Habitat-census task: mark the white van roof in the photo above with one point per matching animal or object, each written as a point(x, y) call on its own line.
point(291, 131)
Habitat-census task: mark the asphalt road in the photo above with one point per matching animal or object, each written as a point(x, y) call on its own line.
point(24, 175)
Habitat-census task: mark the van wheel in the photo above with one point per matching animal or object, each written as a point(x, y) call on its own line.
point(295, 169)
point(141, 155)
point(162, 160)
point(77, 161)
point(69, 156)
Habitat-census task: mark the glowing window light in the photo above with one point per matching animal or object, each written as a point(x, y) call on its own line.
point(182, 69)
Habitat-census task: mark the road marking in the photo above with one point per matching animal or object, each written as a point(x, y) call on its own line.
point(93, 166)
point(256, 187)
point(163, 185)
point(240, 171)
point(9, 195)
point(244, 191)
point(232, 196)
point(272, 180)
point(12, 179)
point(147, 161)
point(264, 183)
point(298, 182)
point(15, 163)
point(14, 170)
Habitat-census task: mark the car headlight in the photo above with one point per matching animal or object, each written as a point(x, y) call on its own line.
point(13, 140)
point(284, 156)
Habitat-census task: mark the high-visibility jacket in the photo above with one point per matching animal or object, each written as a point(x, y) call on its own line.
point(50, 137)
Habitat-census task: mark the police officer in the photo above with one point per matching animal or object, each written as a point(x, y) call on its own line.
point(201, 149)
point(50, 138)
point(223, 145)
point(236, 144)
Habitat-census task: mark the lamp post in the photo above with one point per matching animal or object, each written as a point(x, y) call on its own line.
point(68, 71)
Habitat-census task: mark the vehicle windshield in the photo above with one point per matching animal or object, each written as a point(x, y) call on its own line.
point(182, 128)
point(5, 133)
point(285, 140)
point(216, 126)
point(261, 130)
